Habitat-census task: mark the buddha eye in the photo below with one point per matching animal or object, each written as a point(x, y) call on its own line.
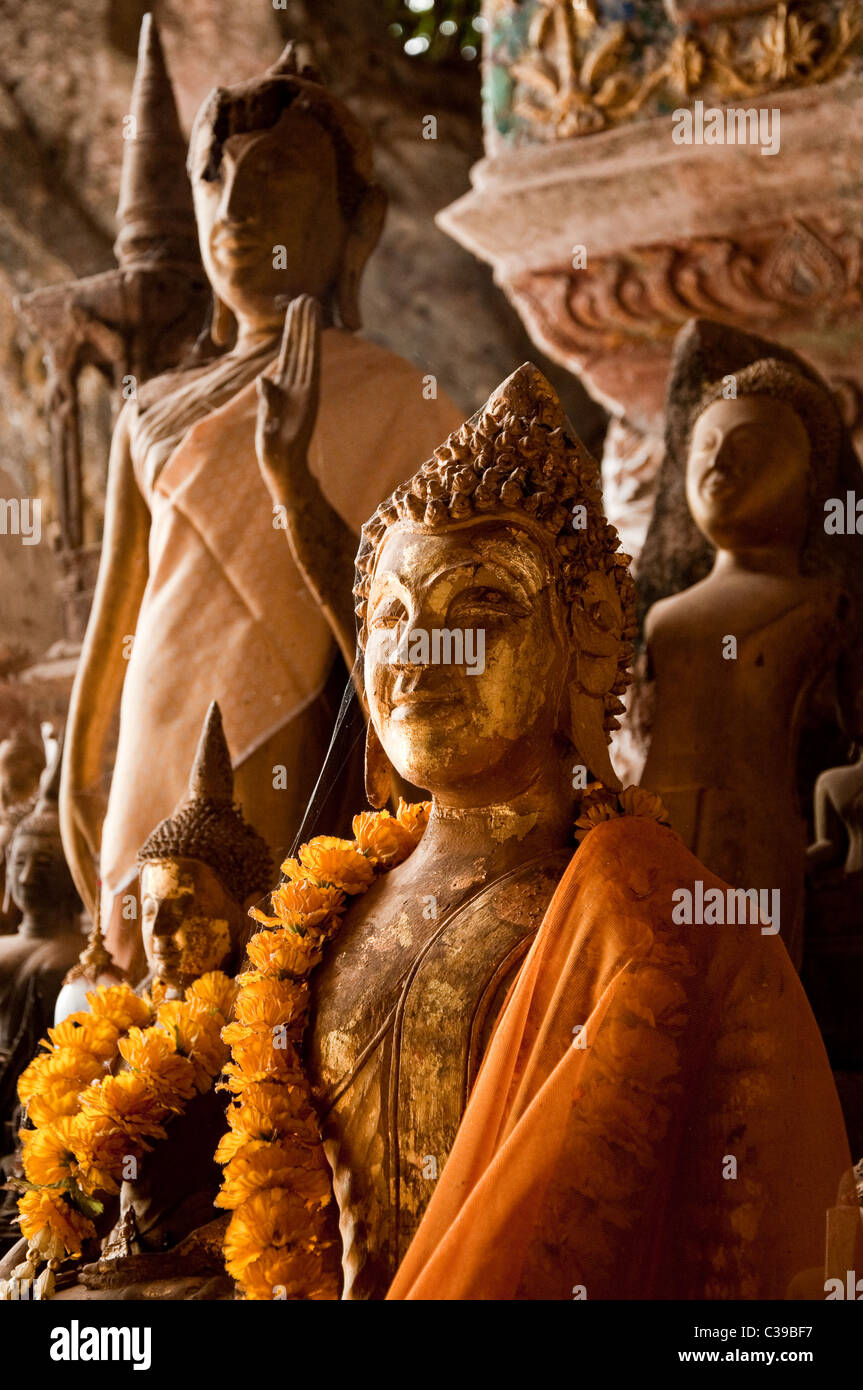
point(485, 602)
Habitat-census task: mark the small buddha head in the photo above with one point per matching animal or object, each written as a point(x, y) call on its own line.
point(495, 605)
point(38, 880)
point(198, 870)
point(284, 198)
point(22, 761)
point(763, 447)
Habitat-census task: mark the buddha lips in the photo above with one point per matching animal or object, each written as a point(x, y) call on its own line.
point(280, 1242)
point(89, 1123)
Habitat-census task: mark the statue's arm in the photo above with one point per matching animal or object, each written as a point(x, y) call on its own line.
point(101, 669)
point(322, 545)
point(828, 847)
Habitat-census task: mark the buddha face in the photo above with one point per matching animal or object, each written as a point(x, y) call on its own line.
point(270, 223)
point(40, 884)
point(471, 730)
point(748, 474)
point(189, 923)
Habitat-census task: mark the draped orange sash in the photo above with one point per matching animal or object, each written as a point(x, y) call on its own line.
point(655, 1116)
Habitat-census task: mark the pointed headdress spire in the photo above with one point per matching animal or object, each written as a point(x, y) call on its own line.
point(155, 212)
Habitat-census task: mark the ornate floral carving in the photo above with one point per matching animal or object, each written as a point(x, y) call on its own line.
point(575, 75)
point(649, 291)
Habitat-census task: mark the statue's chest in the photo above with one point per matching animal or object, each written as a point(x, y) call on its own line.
point(401, 1017)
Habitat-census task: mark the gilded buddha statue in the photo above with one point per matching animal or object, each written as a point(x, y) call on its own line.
point(285, 202)
point(483, 974)
point(751, 604)
point(159, 1235)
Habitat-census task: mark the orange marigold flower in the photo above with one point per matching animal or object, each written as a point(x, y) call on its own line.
point(86, 1033)
point(329, 860)
point(214, 990)
point(268, 1111)
point(256, 1057)
point(414, 816)
point(120, 1005)
point(638, 801)
point(128, 1102)
point(300, 904)
point(265, 1002)
point(197, 1035)
point(270, 1219)
point(101, 1148)
point(293, 1274)
point(276, 1165)
point(382, 838)
point(284, 953)
point(153, 1055)
point(47, 1153)
point(56, 1227)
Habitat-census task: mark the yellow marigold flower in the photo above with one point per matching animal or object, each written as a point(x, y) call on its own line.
point(414, 816)
point(128, 1102)
point(47, 1153)
point(382, 838)
point(270, 1219)
point(256, 1057)
point(293, 1274)
point(120, 1005)
point(284, 953)
point(638, 801)
point(300, 904)
point(329, 860)
point(266, 1002)
point(48, 1219)
point(267, 1111)
point(101, 1148)
point(86, 1033)
point(214, 991)
point(153, 1055)
point(276, 1165)
point(197, 1035)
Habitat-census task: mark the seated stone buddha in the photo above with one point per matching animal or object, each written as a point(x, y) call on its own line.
point(530, 1081)
point(156, 1236)
point(35, 958)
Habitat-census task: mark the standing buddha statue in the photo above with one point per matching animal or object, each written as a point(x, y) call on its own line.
point(194, 577)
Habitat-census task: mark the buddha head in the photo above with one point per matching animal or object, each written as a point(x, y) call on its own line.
point(285, 203)
point(754, 446)
point(494, 607)
point(22, 761)
point(198, 871)
point(38, 880)
point(758, 457)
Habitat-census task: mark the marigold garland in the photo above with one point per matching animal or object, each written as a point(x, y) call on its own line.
point(276, 1179)
point(88, 1121)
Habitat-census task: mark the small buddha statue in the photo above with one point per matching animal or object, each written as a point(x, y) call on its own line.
point(838, 806)
point(285, 201)
point(199, 870)
point(526, 1073)
point(34, 960)
point(755, 448)
point(22, 761)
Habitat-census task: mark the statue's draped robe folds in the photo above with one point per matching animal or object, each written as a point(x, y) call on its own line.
point(226, 614)
point(596, 1163)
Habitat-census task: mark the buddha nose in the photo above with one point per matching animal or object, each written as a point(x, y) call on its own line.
point(165, 921)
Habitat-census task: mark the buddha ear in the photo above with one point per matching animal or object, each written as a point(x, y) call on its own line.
point(598, 633)
point(378, 770)
point(364, 235)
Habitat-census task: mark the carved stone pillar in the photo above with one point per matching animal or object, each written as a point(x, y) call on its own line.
point(607, 234)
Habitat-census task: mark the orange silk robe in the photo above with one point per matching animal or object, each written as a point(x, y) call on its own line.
point(633, 1060)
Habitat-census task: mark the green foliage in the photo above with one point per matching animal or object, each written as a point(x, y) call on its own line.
point(444, 29)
